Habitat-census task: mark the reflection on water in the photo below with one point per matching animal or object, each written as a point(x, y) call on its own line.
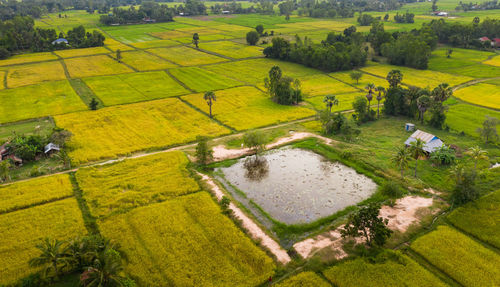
point(298, 186)
point(256, 168)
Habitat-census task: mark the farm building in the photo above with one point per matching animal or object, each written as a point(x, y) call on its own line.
point(60, 41)
point(431, 141)
point(5, 155)
point(51, 148)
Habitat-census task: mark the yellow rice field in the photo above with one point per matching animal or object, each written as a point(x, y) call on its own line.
point(82, 52)
point(165, 242)
point(35, 73)
point(361, 84)
point(304, 279)
point(482, 94)
point(247, 108)
point(28, 58)
point(22, 230)
point(185, 56)
point(136, 182)
point(143, 61)
point(120, 130)
point(95, 66)
point(320, 85)
point(232, 49)
point(495, 61)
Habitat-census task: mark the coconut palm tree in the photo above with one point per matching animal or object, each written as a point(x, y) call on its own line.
point(416, 151)
point(330, 101)
point(401, 159)
point(371, 88)
point(380, 90)
point(210, 98)
point(53, 257)
point(106, 270)
point(476, 153)
point(423, 103)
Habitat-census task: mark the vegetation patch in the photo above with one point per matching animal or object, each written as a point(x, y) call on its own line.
point(480, 218)
point(114, 45)
point(201, 80)
point(232, 49)
point(477, 71)
point(22, 230)
point(247, 108)
point(94, 66)
point(32, 192)
point(167, 35)
point(482, 94)
point(51, 98)
point(81, 52)
point(134, 87)
point(119, 130)
point(467, 118)
point(304, 279)
point(185, 56)
point(131, 183)
point(320, 85)
point(182, 231)
point(362, 82)
point(133, 33)
point(388, 269)
point(35, 73)
point(495, 61)
point(465, 260)
point(143, 61)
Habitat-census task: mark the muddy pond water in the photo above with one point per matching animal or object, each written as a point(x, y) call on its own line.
point(299, 186)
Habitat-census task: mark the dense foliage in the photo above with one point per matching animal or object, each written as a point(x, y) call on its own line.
point(282, 89)
point(367, 224)
point(147, 11)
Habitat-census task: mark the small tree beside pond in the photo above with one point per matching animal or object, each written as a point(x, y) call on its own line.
point(255, 141)
point(367, 224)
point(204, 154)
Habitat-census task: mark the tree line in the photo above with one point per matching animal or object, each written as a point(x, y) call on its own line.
point(149, 10)
point(19, 34)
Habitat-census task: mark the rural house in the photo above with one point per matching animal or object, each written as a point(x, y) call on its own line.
point(51, 148)
point(431, 141)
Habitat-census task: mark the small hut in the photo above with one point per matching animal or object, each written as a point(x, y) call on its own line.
point(51, 148)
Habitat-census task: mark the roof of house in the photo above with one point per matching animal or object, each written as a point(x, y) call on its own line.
point(51, 147)
point(60, 40)
point(484, 39)
point(431, 141)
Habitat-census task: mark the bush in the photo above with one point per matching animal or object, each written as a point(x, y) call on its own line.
point(443, 156)
point(252, 37)
point(4, 53)
point(391, 189)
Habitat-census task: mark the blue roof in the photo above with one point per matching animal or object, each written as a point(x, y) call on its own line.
point(60, 40)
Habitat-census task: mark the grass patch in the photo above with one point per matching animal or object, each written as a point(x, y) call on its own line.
point(124, 185)
point(232, 49)
point(81, 52)
point(304, 279)
point(134, 87)
point(482, 94)
point(37, 101)
point(463, 259)
point(201, 80)
point(247, 108)
point(185, 56)
point(133, 33)
point(35, 73)
point(345, 102)
point(143, 61)
point(320, 85)
point(22, 230)
point(41, 127)
point(94, 66)
point(183, 230)
point(480, 218)
point(120, 130)
point(477, 71)
point(363, 82)
point(467, 118)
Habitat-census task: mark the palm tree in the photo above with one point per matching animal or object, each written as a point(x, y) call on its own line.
point(442, 92)
point(330, 101)
point(371, 88)
point(53, 257)
point(106, 270)
point(416, 151)
point(423, 103)
point(401, 159)
point(210, 98)
point(476, 153)
point(380, 90)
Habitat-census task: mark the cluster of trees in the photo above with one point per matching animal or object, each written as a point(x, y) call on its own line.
point(404, 18)
point(233, 7)
point(282, 89)
point(488, 5)
point(465, 34)
point(10, 9)
point(336, 53)
point(28, 148)
point(344, 9)
point(192, 7)
point(149, 10)
point(335, 123)
point(20, 34)
point(366, 20)
point(97, 259)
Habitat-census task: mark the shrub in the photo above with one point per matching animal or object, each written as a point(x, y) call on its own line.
point(391, 189)
point(443, 156)
point(252, 38)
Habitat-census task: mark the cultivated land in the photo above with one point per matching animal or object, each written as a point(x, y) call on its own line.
point(156, 208)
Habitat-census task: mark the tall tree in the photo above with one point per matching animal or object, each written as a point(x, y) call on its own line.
point(255, 141)
point(356, 76)
point(210, 98)
point(417, 151)
point(380, 90)
point(196, 39)
point(401, 159)
point(394, 77)
point(423, 103)
point(442, 92)
point(367, 223)
point(489, 130)
point(52, 258)
point(371, 89)
point(476, 153)
point(204, 154)
point(106, 270)
point(330, 101)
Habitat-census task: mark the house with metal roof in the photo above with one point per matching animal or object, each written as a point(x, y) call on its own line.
point(431, 141)
point(50, 148)
point(60, 41)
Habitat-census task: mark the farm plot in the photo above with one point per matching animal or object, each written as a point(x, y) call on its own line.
point(94, 66)
point(119, 130)
point(35, 73)
point(40, 100)
point(495, 61)
point(269, 21)
point(21, 230)
point(477, 71)
point(363, 82)
point(486, 95)
point(233, 30)
point(134, 87)
point(133, 33)
point(232, 49)
point(247, 108)
point(143, 61)
point(114, 45)
point(155, 44)
point(186, 56)
point(459, 58)
point(467, 118)
point(394, 269)
point(304, 279)
point(203, 38)
point(28, 58)
point(323, 85)
point(201, 80)
point(2, 76)
point(131, 183)
point(36, 191)
point(82, 52)
point(345, 102)
point(480, 218)
point(419, 78)
point(254, 71)
point(187, 241)
point(169, 35)
point(465, 260)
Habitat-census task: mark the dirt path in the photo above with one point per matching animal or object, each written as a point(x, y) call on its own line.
point(253, 229)
point(223, 153)
point(403, 214)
